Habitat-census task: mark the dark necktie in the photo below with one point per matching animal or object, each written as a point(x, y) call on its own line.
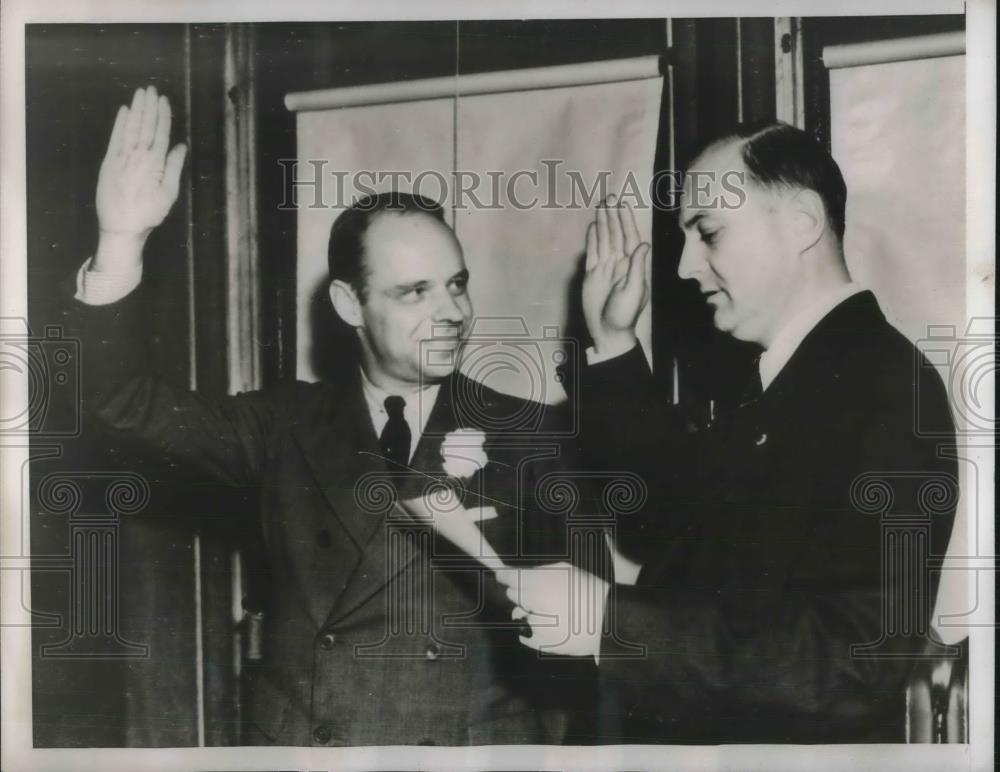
point(395, 439)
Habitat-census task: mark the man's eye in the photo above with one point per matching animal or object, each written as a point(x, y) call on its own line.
point(459, 286)
point(709, 237)
point(414, 294)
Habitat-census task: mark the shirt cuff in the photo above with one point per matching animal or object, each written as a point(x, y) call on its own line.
point(626, 570)
point(598, 636)
point(594, 358)
point(100, 288)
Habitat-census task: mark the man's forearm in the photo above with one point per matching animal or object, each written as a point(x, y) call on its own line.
point(627, 424)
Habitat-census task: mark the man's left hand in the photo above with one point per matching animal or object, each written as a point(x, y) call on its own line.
point(564, 606)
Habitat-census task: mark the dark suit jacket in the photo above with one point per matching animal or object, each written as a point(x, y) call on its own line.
point(765, 542)
point(376, 631)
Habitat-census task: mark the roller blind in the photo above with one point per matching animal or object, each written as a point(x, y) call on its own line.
point(518, 159)
point(897, 112)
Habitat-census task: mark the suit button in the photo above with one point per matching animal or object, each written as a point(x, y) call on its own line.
point(323, 539)
point(322, 734)
point(327, 640)
point(431, 654)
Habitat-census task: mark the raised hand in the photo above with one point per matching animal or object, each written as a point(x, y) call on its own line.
point(615, 289)
point(139, 180)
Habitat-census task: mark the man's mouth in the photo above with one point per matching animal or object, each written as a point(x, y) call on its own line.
point(445, 340)
point(446, 336)
point(442, 348)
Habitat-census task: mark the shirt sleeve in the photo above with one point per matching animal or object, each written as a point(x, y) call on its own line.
point(99, 288)
point(594, 358)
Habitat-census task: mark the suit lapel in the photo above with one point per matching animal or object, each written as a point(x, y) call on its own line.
point(343, 452)
point(830, 343)
point(389, 547)
point(427, 455)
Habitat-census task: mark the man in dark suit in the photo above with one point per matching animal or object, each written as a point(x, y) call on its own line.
point(377, 630)
point(784, 588)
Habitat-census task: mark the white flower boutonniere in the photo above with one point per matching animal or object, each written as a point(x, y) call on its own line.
point(463, 452)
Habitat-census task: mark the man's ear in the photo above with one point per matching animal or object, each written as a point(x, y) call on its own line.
point(346, 302)
point(809, 221)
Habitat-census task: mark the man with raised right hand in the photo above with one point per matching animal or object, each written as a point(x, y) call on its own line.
point(768, 601)
point(376, 631)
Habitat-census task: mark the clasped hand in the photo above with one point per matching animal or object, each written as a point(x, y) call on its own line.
point(563, 604)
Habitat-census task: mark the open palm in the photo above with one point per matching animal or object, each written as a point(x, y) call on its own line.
point(139, 180)
point(615, 289)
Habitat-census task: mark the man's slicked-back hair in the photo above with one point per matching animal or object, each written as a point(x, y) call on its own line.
point(345, 250)
point(778, 155)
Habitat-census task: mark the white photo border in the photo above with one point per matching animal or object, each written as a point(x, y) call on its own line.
point(15, 641)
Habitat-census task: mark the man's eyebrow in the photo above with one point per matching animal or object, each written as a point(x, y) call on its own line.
point(402, 289)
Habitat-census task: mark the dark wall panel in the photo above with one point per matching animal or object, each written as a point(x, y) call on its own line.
point(76, 77)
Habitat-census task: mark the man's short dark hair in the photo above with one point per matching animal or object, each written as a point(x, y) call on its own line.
point(778, 155)
point(345, 250)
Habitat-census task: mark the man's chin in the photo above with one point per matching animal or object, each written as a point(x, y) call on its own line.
point(722, 321)
point(441, 359)
point(734, 328)
point(435, 373)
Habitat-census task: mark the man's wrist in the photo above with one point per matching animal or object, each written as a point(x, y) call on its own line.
point(609, 345)
point(610, 348)
point(118, 252)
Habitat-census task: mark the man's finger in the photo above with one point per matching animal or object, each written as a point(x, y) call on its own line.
point(147, 129)
point(630, 229)
point(616, 241)
point(117, 133)
point(603, 253)
point(591, 247)
point(542, 621)
point(531, 643)
point(518, 613)
point(620, 270)
point(162, 138)
point(134, 122)
point(637, 268)
point(514, 595)
point(172, 171)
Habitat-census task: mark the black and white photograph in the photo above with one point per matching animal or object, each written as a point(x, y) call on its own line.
point(498, 386)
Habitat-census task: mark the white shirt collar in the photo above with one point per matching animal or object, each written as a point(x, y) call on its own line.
point(788, 339)
point(417, 410)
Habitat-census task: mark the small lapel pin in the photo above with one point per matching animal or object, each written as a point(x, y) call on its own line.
point(761, 440)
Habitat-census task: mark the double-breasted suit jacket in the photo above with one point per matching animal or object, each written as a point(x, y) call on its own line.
point(788, 550)
point(377, 631)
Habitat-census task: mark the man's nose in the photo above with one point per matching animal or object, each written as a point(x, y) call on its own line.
point(449, 310)
point(692, 260)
